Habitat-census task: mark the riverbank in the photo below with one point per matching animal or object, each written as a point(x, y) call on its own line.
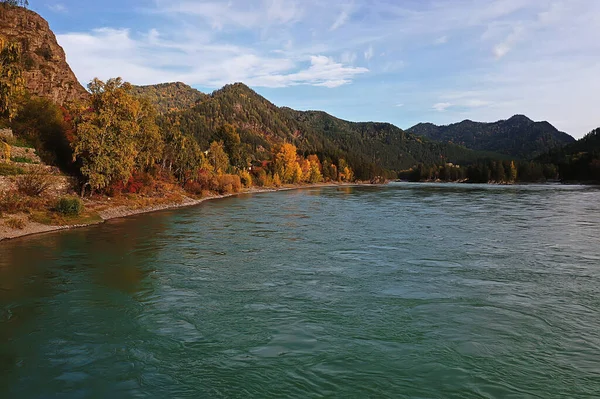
point(105, 211)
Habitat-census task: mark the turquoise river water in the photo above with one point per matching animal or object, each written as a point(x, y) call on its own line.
point(403, 291)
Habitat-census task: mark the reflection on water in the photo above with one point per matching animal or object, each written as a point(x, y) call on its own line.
point(399, 291)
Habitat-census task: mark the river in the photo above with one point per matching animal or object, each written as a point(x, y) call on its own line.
point(401, 291)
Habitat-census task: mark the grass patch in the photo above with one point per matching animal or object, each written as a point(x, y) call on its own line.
point(15, 223)
point(51, 218)
point(10, 170)
point(23, 160)
point(19, 142)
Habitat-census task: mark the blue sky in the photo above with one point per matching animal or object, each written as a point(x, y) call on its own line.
point(397, 61)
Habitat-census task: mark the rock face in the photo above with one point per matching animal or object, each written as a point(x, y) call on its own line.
point(6, 135)
point(45, 68)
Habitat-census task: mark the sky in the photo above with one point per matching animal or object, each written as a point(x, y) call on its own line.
point(398, 61)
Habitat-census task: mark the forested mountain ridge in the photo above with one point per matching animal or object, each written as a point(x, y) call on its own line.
point(578, 161)
point(384, 144)
point(259, 122)
point(169, 97)
point(370, 147)
point(518, 136)
point(43, 62)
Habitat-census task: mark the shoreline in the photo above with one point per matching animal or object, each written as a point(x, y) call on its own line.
point(123, 211)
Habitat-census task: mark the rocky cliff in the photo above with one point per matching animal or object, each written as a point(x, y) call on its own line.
point(45, 68)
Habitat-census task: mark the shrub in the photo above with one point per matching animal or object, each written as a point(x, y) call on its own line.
point(10, 170)
point(13, 202)
point(229, 184)
point(276, 180)
point(22, 160)
point(34, 183)
point(69, 206)
point(15, 223)
point(245, 178)
point(194, 187)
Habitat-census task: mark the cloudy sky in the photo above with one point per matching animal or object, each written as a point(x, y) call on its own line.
point(400, 61)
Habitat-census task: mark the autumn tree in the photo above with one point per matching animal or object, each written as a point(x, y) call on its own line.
point(345, 173)
point(513, 172)
point(11, 78)
point(232, 145)
point(286, 164)
point(111, 139)
point(181, 155)
point(315, 174)
point(218, 158)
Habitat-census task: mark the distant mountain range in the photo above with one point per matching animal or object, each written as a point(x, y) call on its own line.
point(518, 137)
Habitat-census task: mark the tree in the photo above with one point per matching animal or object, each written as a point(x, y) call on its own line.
point(232, 145)
point(182, 154)
point(111, 139)
point(513, 172)
point(15, 3)
point(43, 124)
point(218, 158)
point(11, 78)
point(286, 165)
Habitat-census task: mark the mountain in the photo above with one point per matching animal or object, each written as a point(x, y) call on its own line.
point(169, 97)
point(578, 161)
point(260, 123)
point(370, 147)
point(518, 136)
point(45, 68)
point(384, 144)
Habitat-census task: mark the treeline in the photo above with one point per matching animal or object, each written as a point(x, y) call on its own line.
point(579, 161)
point(484, 172)
point(382, 144)
point(114, 144)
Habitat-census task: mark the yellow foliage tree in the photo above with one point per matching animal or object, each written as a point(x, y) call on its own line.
point(111, 139)
point(6, 150)
point(218, 158)
point(286, 164)
point(276, 180)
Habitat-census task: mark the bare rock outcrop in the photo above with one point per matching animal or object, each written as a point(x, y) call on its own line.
point(45, 68)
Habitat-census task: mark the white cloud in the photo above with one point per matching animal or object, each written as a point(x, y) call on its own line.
point(441, 40)
point(340, 21)
point(238, 14)
point(147, 59)
point(400, 105)
point(369, 53)
point(348, 57)
point(501, 49)
point(441, 107)
point(58, 7)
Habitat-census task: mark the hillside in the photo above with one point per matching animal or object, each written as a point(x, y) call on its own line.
point(169, 97)
point(578, 161)
point(518, 136)
point(369, 147)
point(45, 68)
point(384, 144)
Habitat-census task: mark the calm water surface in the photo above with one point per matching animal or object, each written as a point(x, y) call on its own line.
point(420, 291)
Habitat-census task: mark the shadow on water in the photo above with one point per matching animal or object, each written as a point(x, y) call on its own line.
point(81, 269)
